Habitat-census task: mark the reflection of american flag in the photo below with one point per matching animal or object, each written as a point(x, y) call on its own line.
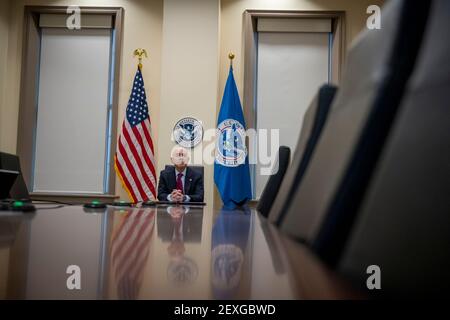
point(130, 247)
point(134, 160)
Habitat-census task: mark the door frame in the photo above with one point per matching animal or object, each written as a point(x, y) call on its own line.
point(250, 47)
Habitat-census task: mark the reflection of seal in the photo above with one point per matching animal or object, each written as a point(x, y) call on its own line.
point(183, 271)
point(227, 261)
point(231, 150)
point(188, 132)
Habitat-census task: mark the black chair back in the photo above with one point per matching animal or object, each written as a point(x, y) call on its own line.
point(272, 187)
point(313, 123)
point(403, 223)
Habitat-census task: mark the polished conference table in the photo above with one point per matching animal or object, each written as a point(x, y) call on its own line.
point(161, 252)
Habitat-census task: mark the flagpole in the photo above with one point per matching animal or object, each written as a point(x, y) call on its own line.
point(139, 52)
point(231, 57)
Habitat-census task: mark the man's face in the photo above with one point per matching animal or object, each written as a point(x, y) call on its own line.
point(179, 158)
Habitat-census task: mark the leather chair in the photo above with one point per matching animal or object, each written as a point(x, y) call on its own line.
point(403, 223)
point(272, 187)
point(313, 123)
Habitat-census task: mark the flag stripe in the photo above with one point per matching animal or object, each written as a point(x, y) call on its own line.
point(136, 162)
point(147, 136)
point(147, 156)
point(128, 170)
point(137, 153)
point(144, 142)
point(127, 175)
point(124, 179)
point(131, 170)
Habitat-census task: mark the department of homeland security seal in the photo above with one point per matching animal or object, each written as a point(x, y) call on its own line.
point(231, 150)
point(188, 132)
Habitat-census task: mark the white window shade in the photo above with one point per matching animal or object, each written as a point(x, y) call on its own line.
point(70, 146)
point(291, 68)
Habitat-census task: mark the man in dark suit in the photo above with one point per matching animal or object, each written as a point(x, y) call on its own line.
point(180, 183)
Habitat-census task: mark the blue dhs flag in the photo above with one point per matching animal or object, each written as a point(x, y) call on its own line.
point(231, 169)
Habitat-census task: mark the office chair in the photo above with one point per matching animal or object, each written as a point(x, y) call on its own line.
point(313, 123)
point(379, 65)
point(403, 224)
point(273, 184)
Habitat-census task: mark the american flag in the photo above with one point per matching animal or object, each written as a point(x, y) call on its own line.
point(134, 159)
point(129, 250)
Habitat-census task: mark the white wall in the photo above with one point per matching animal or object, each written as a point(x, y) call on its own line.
point(189, 72)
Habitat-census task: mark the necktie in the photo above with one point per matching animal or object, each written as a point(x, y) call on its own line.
point(179, 182)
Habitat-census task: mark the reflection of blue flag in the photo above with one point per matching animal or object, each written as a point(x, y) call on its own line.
point(231, 169)
point(229, 242)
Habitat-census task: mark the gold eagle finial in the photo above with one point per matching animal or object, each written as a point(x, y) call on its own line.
point(139, 52)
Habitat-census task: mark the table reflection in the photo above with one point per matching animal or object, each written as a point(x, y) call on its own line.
point(188, 219)
point(168, 265)
point(228, 251)
point(129, 250)
point(9, 227)
point(181, 270)
point(163, 252)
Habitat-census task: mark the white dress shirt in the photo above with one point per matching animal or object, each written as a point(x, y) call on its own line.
point(183, 177)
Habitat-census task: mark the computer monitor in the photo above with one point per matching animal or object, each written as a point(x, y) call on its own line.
point(7, 179)
point(19, 190)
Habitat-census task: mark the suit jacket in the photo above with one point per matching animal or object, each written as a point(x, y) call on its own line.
point(193, 184)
